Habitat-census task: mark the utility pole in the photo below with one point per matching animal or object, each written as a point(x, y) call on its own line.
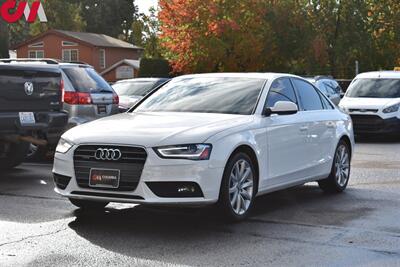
point(357, 68)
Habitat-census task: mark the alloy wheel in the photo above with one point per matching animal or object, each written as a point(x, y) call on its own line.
point(342, 165)
point(241, 187)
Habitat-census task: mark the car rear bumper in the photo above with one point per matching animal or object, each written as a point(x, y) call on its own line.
point(373, 124)
point(51, 125)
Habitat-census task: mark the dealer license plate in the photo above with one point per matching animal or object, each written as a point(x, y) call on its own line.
point(104, 178)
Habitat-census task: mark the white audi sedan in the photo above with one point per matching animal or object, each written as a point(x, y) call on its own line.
point(209, 139)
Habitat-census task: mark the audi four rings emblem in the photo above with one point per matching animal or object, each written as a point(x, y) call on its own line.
point(108, 154)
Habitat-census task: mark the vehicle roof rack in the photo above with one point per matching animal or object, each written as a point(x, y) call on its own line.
point(27, 60)
point(76, 62)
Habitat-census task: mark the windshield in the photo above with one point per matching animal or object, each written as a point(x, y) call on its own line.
point(206, 95)
point(375, 88)
point(87, 80)
point(134, 88)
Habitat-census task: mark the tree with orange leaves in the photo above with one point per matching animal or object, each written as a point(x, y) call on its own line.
point(213, 35)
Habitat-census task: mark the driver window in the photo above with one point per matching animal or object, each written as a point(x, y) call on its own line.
point(281, 90)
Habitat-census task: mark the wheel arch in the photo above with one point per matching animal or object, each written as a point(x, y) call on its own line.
point(248, 150)
point(347, 140)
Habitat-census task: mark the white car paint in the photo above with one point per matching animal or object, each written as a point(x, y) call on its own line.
point(290, 149)
point(367, 106)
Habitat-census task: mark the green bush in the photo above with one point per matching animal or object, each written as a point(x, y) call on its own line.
point(159, 68)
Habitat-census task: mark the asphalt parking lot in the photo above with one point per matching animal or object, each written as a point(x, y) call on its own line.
point(296, 227)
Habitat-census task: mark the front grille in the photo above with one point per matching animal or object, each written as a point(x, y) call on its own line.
point(364, 110)
point(130, 165)
point(367, 122)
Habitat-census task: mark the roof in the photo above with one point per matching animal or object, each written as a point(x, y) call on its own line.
point(133, 63)
point(267, 76)
point(94, 39)
point(379, 75)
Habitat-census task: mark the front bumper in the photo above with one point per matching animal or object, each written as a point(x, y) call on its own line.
point(156, 172)
point(373, 124)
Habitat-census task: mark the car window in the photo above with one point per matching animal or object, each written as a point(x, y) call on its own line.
point(281, 90)
point(321, 86)
point(332, 87)
point(134, 88)
point(375, 88)
point(87, 80)
point(308, 96)
point(325, 102)
point(226, 95)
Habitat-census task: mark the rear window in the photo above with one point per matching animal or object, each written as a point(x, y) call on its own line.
point(375, 88)
point(134, 88)
point(87, 80)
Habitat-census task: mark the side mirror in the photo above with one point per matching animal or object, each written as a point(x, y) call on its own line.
point(282, 108)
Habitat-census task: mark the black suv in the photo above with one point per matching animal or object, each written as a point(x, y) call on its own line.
point(30, 106)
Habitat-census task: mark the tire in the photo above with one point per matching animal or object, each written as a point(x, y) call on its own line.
point(338, 179)
point(88, 204)
point(237, 197)
point(12, 154)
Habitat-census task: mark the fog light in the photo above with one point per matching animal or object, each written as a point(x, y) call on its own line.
point(186, 189)
point(175, 189)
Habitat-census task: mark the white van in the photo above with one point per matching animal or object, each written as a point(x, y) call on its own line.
point(373, 102)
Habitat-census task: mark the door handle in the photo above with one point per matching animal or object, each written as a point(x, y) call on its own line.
point(304, 129)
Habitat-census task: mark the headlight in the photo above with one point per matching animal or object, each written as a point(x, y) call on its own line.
point(191, 152)
point(64, 146)
point(392, 109)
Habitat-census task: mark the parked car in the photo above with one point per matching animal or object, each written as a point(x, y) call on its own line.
point(206, 139)
point(86, 96)
point(30, 109)
point(131, 91)
point(329, 87)
point(373, 101)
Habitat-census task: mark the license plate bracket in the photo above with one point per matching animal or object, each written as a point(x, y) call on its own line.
point(104, 178)
point(102, 109)
point(27, 118)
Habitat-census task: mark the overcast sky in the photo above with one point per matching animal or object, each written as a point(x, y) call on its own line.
point(144, 5)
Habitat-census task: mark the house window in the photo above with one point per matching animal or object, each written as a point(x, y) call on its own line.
point(67, 43)
point(36, 54)
point(70, 55)
point(35, 45)
point(102, 58)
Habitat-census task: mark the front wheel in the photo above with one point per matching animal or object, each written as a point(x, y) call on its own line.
point(88, 204)
point(238, 188)
point(340, 173)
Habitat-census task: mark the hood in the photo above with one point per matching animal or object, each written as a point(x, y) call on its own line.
point(128, 101)
point(368, 103)
point(152, 129)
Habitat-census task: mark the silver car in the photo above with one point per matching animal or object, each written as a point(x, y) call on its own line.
point(86, 97)
point(329, 87)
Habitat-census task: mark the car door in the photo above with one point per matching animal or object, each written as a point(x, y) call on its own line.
point(286, 136)
point(317, 115)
